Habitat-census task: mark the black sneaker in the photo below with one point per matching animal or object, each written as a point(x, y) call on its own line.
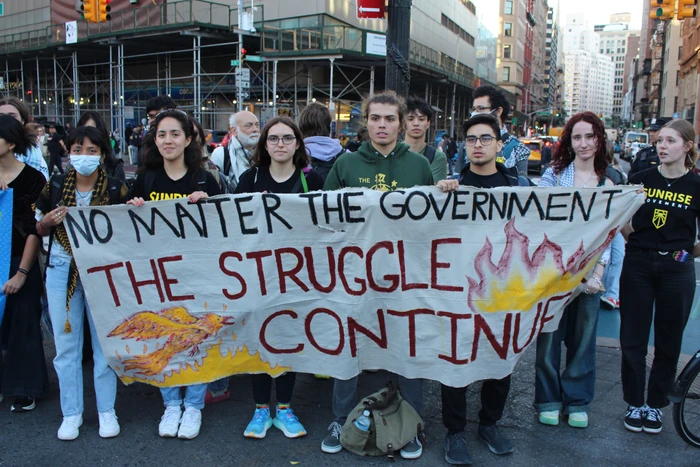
point(652, 422)
point(634, 418)
point(413, 449)
point(494, 439)
point(331, 443)
point(23, 404)
point(456, 449)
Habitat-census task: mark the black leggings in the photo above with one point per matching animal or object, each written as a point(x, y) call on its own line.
point(262, 387)
point(55, 159)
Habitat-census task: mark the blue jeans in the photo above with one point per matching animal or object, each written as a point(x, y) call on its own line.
point(69, 346)
point(218, 385)
point(194, 396)
point(345, 396)
point(611, 278)
point(573, 390)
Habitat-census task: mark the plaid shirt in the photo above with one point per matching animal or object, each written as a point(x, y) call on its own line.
point(35, 160)
point(520, 152)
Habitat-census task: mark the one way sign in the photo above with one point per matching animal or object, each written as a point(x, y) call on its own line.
point(370, 9)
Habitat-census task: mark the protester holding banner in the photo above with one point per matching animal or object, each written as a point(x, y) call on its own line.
point(86, 184)
point(174, 169)
point(113, 165)
point(579, 161)
point(383, 164)
point(23, 373)
point(658, 273)
point(278, 167)
point(483, 143)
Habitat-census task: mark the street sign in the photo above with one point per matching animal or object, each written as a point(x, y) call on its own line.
point(370, 9)
point(375, 44)
point(2, 9)
point(254, 58)
point(244, 95)
point(235, 62)
point(72, 32)
point(243, 74)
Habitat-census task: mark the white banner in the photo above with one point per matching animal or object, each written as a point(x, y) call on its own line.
point(450, 287)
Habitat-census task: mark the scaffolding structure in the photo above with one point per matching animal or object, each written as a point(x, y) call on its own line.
point(185, 49)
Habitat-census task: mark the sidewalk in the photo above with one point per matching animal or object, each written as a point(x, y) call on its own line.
point(30, 438)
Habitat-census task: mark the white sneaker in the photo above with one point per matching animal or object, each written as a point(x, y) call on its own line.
point(70, 427)
point(109, 426)
point(170, 421)
point(191, 421)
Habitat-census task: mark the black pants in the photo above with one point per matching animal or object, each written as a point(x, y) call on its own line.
point(23, 373)
point(262, 387)
point(494, 393)
point(649, 278)
point(55, 159)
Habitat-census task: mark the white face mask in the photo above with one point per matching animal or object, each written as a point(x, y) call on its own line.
point(493, 112)
point(85, 165)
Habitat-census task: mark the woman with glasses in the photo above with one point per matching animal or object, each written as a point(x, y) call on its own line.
point(278, 167)
point(174, 169)
point(580, 160)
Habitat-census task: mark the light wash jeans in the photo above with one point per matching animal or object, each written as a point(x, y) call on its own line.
point(194, 396)
point(611, 277)
point(573, 389)
point(69, 347)
point(345, 395)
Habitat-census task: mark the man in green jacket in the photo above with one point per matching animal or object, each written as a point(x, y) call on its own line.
point(383, 164)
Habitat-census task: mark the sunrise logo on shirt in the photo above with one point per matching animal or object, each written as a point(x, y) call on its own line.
point(155, 196)
point(659, 218)
point(668, 198)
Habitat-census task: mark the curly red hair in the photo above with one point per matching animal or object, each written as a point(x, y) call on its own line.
point(564, 154)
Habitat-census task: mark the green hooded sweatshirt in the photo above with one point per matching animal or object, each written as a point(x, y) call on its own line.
point(371, 169)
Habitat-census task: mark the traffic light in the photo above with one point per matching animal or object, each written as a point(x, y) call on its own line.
point(89, 10)
point(662, 9)
point(686, 9)
point(104, 10)
point(243, 54)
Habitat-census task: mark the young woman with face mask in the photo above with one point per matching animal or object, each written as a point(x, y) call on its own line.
point(174, 169)
point(23, 372)
point(278, 167)
point(86, 184)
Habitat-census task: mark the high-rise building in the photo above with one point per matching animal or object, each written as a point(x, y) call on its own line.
point(552, 66)
point(615, 43)
point(589, 76)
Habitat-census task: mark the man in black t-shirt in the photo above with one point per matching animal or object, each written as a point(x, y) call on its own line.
point(482, 138)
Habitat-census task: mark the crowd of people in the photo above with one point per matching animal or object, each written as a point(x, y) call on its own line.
point(296, 157)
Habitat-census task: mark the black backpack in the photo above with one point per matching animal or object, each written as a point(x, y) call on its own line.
point(429, 153)
point(323, 168)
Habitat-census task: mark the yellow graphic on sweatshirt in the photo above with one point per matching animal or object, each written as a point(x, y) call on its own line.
point(659, 219)
point(380, 183)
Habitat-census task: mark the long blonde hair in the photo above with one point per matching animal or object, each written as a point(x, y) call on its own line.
point(687, 132)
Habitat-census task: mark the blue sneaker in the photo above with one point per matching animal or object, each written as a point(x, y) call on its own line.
point(289, 423)
point(258, 426)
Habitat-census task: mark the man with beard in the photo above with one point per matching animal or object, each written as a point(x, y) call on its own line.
point(234, 159)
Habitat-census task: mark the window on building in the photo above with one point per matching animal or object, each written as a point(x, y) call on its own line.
point(680, 52)
point(506, 51)
point(678, 77)
point(508, 10)
point(506, 73)
point(675, 104)
point(508, 29)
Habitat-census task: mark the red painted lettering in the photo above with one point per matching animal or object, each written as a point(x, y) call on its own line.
point(393, 279)
point(222, 265)
point(292, 273)
point(480, 325)
point(452, 358)
point(312, 339)
point(354, 327)
point(311, 269)
point(136, 285)
point(435, 265)
point(107, 269)
point(341, 270)
point(167, 282)
point(258, 256)
point(263, 332)
point(411, 315)
point(402, 266)
point(516, 332)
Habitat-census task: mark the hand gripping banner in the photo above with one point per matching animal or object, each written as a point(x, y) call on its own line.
point(445, 286)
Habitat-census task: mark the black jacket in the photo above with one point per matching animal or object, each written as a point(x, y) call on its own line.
point(513, 180)
point(645, 159)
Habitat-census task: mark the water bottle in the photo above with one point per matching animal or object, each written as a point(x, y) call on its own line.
point(363, 421)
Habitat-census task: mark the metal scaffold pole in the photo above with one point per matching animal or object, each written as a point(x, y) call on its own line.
point(398, 74)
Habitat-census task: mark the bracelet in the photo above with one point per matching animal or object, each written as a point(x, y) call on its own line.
point(595, 278)
point(602, 263)
point(23, 271)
